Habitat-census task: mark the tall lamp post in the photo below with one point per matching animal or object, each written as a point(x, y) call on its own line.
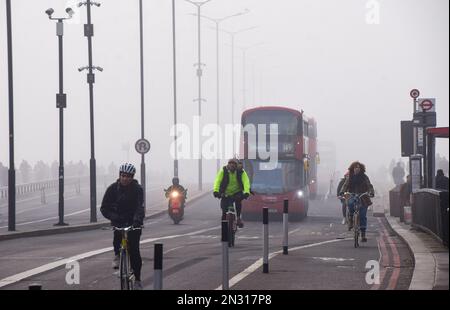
point(244, 71)
point(89, 33)
point(174, 48)
point(141, 43)
point(233, 35)
point(217, 21)
point(199, 75)
point(11, 170)
point(61, 104)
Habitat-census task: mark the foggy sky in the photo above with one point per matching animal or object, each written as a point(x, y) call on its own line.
point(321, 56)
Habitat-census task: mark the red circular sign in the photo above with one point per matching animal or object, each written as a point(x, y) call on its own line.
point(426, 105)
point(415, 93)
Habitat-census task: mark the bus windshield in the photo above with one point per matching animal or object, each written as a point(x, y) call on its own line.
point(287, 122)
point(287, 176)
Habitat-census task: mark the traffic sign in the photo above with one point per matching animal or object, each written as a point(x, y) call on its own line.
point(427, 104)
point(415, 93)
point(142, 146)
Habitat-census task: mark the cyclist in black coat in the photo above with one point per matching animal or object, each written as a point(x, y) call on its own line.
point(123, 205)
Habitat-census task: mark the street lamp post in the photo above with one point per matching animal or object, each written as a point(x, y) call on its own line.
point(174, 48)
point(89, 33)
point(141, 40)
point(11, 169)
point(233, 34)
point(217, 21)
point(199, 75)
point(244, 71)
point(61, 104)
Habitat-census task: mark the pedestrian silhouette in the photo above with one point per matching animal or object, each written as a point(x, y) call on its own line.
point(441, 180)
point(398, 173)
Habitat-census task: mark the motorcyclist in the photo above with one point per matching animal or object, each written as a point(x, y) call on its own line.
point(358, 182)
point(232, 184)
point(176, 187)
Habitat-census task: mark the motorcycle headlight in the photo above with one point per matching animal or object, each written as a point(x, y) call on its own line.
point(300, 193)
point(174, 194)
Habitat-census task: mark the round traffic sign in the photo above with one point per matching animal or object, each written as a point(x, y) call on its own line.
point(142, 146)
point(426, 105)
point(415, 93)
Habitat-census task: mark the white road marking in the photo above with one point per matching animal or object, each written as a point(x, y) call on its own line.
point(294, 231)
point(256, 265)
point(175, 248)
point(50, 218)
point(44, 268)
point(333, 259)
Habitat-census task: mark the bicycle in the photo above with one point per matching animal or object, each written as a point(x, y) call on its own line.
point(356, 218)
point(231, 217)
point(126, 274)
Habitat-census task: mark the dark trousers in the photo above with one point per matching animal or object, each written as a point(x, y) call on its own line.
point(133, 249)
point(227, 201)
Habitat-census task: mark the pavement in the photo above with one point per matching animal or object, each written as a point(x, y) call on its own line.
point(431, 258)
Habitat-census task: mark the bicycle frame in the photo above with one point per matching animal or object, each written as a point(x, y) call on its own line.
point(231, 216)
point(356, 217)
point(125, 273)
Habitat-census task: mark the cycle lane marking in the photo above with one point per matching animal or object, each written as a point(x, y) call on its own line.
point(50, 266)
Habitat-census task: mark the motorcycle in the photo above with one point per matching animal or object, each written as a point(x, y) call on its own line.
point(176, 205)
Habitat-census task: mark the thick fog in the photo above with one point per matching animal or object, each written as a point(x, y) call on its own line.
point(349, 69)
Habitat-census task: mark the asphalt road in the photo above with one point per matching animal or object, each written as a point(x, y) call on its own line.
point(321, 255)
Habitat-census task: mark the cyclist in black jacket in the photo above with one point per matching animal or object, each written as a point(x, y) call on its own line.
point(123, 205)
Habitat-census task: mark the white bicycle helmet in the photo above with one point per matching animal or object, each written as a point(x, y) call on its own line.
point(127, 168)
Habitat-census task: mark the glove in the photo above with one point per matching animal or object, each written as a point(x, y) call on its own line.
point(246, 195)
point(216, 194)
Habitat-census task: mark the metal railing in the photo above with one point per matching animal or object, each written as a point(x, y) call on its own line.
point(430, 213)
point(26, 188)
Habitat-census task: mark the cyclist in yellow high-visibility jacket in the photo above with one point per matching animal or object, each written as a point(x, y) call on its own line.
point(232, 185)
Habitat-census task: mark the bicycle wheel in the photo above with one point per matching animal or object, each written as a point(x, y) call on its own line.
point(123, 271)
point(231, 230)
point(356, 229)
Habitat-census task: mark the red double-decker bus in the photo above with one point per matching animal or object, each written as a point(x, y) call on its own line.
point(294, 174)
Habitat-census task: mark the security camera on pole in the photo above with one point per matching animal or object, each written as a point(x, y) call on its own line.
point(61, 104)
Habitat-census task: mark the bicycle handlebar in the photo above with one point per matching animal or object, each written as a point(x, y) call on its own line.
point(357, 195)
point(127, 228)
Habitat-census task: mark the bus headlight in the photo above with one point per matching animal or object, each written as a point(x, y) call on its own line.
point(300, 194)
